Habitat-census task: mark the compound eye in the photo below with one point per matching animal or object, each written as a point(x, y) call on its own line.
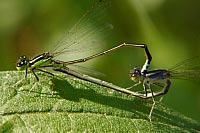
point(135, 72)
point(22, 57)
point(19, 64)
point(22, 61)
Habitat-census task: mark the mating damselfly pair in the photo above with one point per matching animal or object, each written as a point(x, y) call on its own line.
point(160, 77)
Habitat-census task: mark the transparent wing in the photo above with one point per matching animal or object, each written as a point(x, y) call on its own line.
point(88, 33)
point(187, 70)
point(188, 64)
point(191, 75)
point(86, 70)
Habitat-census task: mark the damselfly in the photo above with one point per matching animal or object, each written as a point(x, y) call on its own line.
point(188, 70)
point(87, 34)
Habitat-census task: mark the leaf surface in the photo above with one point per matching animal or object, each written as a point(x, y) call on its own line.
point(66, 104)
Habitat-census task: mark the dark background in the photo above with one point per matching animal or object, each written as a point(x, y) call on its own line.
point(170, 28)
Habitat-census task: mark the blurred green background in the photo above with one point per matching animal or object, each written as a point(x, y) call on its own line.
point(170, 28)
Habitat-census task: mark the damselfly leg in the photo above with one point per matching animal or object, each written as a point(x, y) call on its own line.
point(187, 70)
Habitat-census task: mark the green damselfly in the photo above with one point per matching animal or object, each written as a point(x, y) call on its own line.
point(88, 33)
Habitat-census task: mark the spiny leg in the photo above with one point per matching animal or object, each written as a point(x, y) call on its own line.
point(145, 88)
point(153, 104)
point(164, 90)
point(26, 72)
point(161, 86)
point(145, 84)
point(35, 75)
point(132, 86)
point(159, 93)
point(153, 94)
point(33, 71)
point(42, 71)
point(45, 72)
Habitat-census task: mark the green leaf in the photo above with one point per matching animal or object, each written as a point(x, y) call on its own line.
point(63, 103)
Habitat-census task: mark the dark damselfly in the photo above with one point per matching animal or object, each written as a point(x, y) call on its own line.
point(187, 70)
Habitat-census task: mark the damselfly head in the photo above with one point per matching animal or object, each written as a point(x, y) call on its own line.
point(135, 74)
point(22, 63)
